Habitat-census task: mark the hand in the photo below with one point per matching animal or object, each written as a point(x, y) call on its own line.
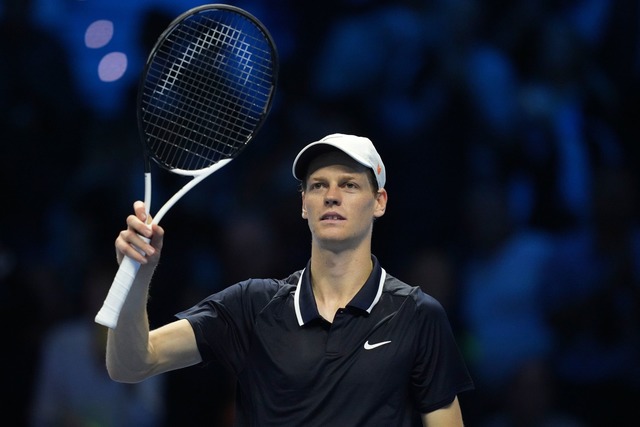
point(140, 241)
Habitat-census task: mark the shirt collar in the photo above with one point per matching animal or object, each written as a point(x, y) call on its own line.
point(366, 298)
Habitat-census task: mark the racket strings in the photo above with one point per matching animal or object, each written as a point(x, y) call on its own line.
point(207, 90)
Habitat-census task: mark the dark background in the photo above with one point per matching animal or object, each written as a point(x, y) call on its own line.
point(510, 134)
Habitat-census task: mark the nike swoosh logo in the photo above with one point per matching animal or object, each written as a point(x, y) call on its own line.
point(368, 346)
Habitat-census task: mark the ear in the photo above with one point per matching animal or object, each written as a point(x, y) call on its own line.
point(304, 207)
point(381, 203)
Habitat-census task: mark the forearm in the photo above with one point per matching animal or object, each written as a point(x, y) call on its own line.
point(128, 354)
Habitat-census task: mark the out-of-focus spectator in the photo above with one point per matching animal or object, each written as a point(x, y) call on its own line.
point(530, 400)
point(592, 299)
point(72, 387)
point(40, 122)
point(501, 276)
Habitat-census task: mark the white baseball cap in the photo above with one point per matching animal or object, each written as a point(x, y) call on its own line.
point(359, 148)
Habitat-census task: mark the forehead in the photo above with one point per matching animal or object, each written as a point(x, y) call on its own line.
point(335, 158)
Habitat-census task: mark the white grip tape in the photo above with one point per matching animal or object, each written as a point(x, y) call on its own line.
point(110, 311)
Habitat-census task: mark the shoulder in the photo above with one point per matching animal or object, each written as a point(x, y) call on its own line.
point(244, 299)
point(270, 286)
point(259, 290)
point(412, 295)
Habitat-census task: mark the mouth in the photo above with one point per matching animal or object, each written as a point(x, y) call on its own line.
point(331, 216)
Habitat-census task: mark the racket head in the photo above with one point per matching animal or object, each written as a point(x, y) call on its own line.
point(206, 89)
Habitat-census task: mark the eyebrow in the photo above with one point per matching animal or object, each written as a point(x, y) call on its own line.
point(340, 177)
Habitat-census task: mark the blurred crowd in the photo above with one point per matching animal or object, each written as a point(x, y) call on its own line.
point(511, 137)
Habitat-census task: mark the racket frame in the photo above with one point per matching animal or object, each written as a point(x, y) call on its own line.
point(110, 311)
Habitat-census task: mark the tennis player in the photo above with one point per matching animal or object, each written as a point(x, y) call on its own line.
point(338, 343)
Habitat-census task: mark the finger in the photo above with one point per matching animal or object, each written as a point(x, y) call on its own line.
point(125, 247)
point(157, 239)
point(138, 225)
point(119, 253)
point(140, 211)
point(136, 247)
point(158, 236)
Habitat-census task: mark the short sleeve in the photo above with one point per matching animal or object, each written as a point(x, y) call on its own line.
point(439, 373)
point(223, 322)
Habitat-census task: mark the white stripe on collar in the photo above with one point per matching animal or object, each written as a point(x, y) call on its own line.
point(296, 299)
point(296, 295)
point(383, 276)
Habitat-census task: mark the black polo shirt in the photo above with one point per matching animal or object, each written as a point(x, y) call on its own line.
point(388, 354)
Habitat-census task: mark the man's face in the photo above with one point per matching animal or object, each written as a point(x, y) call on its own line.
point(340, 202)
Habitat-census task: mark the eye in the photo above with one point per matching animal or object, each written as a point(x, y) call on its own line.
point(350, 185)
point(316, 185)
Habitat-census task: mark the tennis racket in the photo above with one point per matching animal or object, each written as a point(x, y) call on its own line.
point(205, 91)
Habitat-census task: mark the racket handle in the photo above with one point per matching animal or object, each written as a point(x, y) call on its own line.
point(110, 311)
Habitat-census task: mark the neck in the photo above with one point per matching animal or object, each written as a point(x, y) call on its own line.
point(337, 277)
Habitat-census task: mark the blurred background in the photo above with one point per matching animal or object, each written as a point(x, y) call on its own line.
point(510, 133)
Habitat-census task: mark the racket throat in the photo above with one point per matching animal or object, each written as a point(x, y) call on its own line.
point(188, 186)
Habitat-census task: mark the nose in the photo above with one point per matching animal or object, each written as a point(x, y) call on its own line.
point(331, 197)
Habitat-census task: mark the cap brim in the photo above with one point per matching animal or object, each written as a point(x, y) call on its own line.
point(304, 158)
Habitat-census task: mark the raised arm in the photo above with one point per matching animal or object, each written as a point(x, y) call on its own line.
point(133, 352)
